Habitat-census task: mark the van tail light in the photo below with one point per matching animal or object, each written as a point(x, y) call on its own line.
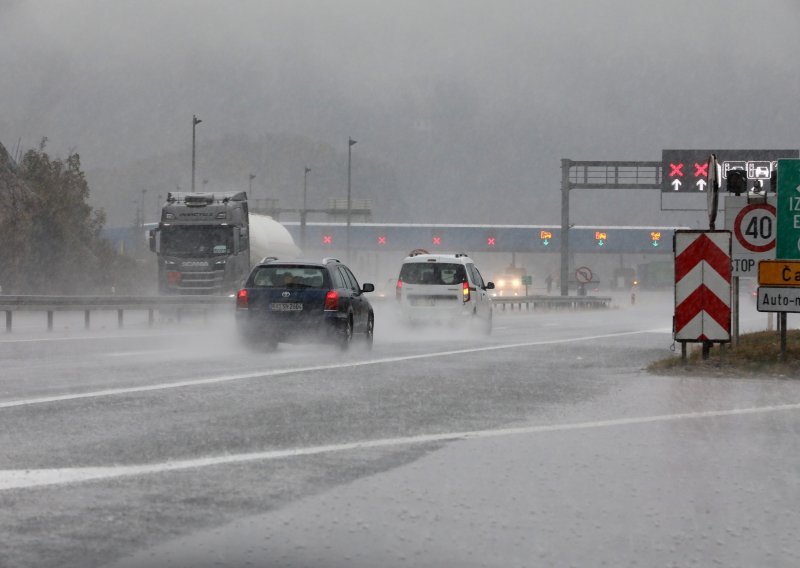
point(332, 301)
point(241, 300)
point(398, 289)
point(465, 292)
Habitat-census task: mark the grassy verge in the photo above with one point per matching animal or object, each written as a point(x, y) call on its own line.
point(756, 354)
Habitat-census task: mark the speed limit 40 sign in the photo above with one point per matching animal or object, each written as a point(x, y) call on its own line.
point(754, 230)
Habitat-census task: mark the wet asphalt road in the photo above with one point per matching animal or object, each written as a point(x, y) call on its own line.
point(544, 444)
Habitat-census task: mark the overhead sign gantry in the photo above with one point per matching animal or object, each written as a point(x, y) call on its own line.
point(678, 172)
point(600, 175)
point(686, 171)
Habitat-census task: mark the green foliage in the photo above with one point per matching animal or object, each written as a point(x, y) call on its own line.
point(16, 221)
point(50, 234)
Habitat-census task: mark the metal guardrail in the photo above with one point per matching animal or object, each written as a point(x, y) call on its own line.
point(552, 302)
point(88, 304)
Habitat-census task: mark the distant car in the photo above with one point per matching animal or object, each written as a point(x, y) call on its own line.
point(296, 300)
point(443, 288)
point(386, 290)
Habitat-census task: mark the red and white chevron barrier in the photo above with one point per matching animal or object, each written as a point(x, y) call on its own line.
point(703, 286)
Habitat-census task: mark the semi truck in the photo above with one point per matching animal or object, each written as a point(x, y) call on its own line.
point(205, 242)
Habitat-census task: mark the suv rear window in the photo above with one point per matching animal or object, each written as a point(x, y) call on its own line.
point(433, 273)
point(290, 277)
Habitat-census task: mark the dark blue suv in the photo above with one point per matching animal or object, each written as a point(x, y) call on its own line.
point(290, 300)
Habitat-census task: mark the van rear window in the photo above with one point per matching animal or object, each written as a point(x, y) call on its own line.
point(433, 273)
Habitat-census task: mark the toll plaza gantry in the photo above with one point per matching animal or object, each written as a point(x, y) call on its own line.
point(330, 237)
point(596, 175)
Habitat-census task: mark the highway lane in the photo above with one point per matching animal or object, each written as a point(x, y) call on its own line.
point(274, 428)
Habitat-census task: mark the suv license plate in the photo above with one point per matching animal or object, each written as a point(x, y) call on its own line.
point(286, 307)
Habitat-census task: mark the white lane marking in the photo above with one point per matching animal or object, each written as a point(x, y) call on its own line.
point(89, 338)
point(278, 372)
point(21, 479)
point(138, 353)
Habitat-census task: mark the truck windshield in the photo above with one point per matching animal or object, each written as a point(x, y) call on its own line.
point(196, 240)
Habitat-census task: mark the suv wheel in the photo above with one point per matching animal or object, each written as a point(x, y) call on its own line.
point(347, 335)
point(370, 333)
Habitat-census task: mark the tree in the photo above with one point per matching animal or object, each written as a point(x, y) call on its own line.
point(51, 235)
point(16, 221)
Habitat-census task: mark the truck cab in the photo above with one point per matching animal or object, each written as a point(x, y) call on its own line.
point(202, 243)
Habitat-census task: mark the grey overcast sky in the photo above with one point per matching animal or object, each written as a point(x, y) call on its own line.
point(468, 97)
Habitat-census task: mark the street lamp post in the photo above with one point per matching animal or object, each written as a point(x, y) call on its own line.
point(350, 144)
point(195, 122)
point(250, 186)
point(303, 212)
point(144, 193)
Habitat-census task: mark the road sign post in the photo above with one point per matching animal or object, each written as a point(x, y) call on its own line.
point(702, 288)
point(754, 229)
point(527, 280)
point(779, 273)
point(779, 291)
point(583, 275)
point(713, 190)
point(778, 299)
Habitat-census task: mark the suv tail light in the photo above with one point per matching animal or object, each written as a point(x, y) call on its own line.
point(465, 292)
point(332, 301)
point(241, 300)
point(398, 288)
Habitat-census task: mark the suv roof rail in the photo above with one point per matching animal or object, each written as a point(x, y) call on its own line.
point(417, 252)
point(268, 259)
point(328, 259)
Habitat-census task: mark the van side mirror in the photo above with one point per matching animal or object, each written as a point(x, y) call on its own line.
point(368, 287)
point(490, 285)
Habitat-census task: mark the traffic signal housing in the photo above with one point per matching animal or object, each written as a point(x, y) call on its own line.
point(737, 182)
point(773, 181)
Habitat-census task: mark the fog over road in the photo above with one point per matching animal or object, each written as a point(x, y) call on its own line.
point(544, 444)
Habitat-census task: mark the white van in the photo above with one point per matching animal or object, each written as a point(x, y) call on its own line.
point(443, 288)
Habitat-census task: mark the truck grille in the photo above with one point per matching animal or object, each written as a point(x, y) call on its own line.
point(201, 282)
